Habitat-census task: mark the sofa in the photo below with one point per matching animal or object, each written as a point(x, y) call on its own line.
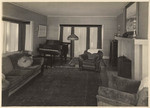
point(15, 76)
point(91, 61)
point(119, 91)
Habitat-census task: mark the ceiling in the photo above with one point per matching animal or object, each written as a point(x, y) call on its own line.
point(57, 9)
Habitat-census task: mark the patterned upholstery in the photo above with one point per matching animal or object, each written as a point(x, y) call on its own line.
point(120, 91)
point(18, 76)
point(91, 60)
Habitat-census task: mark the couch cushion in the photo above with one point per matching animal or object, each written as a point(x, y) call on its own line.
point(7, 66)
point(34, 67)
point(15, 81)
point(18, 72)
point(126, 85)
point(88, 62)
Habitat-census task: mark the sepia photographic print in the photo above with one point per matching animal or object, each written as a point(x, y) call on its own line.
point(74, 53)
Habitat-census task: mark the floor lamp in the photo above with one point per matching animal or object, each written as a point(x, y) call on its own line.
point(72, 37)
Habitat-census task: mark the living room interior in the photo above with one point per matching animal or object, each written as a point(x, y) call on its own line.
point(75, 53)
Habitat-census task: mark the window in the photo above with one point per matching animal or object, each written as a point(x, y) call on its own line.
point(16, 35)
point(90, 37)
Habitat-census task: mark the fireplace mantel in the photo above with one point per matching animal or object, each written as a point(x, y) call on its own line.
point(137, 51)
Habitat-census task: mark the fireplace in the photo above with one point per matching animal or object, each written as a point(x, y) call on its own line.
point(137, 51)
point(124, 67)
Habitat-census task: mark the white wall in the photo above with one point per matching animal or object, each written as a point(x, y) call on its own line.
point(109, 27)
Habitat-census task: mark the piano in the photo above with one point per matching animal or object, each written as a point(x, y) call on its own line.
point(53, 48)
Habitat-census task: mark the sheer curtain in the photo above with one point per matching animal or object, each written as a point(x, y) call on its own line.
point(28, 38)
point(66, 33)
point(93, 37)
point(10, 36)
point(80, 45)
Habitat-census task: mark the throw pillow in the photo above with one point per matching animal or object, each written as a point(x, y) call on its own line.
point(25, 61)
point(126, 85)
point(7, 66)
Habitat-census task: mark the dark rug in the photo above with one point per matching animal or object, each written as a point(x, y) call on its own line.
point(59, 87)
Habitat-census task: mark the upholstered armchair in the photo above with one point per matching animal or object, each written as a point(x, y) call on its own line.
point(119, 91)
point(91, 61)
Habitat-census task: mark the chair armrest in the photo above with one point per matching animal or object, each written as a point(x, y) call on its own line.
point(5, 84)
point(103, 101)
point(38, 61)
point(117, 95)
point(83, 57)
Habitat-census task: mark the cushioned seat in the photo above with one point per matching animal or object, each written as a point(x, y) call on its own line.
point(117, 95)
point(91, 61)
point(119, 91)
point(18, 75)
point(14, 81)
point(88, 62)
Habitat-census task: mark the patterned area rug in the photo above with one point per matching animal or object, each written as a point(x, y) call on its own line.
point(59, 87)
point(74, 62)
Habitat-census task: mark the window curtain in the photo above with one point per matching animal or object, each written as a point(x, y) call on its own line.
point(15, 35)
point(80, 45)
point(28, 38)
point(93, 37)
point(66, 33)
point(10, 37)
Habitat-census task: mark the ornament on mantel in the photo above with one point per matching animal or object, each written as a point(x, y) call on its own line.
point(134, 28)
point(115, 35)
point(118, 30)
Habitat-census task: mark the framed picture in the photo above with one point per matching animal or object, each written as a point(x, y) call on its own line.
point(42, 31)
point(131, 19)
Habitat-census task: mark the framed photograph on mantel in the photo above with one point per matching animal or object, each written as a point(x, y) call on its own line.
point(131, 17)
point(42, 31)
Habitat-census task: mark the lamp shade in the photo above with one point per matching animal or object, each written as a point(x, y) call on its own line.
point(72, 37)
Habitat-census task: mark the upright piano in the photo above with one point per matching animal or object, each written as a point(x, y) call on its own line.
point(53, 48)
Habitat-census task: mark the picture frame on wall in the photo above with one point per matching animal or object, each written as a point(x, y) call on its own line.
point(42, 31)
point(131, 17)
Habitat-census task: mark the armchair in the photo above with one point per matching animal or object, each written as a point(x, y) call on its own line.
point(119, 91)
point(91, 61)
